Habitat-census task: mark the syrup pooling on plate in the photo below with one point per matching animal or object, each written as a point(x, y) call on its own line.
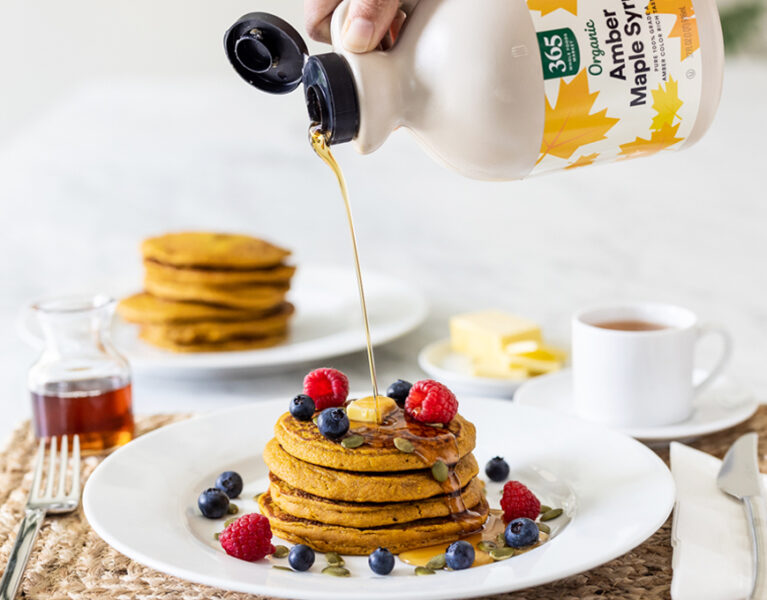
point(320, 145)
point(494, 526)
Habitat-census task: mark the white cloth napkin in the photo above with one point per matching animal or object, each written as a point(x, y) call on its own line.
point(712, 546)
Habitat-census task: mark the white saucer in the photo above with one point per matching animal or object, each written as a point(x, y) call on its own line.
point(725, 404)
point(454, 370)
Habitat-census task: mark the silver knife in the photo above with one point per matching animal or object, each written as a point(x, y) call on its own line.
point(739, 477)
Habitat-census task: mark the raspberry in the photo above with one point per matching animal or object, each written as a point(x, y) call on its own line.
point(431, 402)
point(518, 501)
point(327, 387)
point(248, 538)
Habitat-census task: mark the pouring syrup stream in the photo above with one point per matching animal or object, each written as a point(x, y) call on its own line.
point(320, 145)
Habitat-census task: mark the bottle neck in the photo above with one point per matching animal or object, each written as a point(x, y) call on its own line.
point(331, 97)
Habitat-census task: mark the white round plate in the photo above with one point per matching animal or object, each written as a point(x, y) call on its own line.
point(723, 405)
point(327, 323)
point(454, 370)
point(142, 501)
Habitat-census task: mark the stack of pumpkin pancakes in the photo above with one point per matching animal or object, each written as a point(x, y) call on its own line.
point(206, 292)
point(354, 500)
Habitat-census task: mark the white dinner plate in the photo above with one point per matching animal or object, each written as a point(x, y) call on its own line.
point(454, 370)
point(327, 323)
point(142, 501)
point(723, 405)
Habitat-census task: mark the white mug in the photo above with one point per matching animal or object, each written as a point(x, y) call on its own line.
point(639, 378)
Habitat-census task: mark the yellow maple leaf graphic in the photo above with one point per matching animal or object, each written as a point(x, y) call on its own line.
point(666, 103)
point(659, 140)
point(549, 6)
point(686, 25)
point(586, 159)
point(570, 124)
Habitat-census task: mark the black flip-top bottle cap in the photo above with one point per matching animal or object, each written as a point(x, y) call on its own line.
point(267, 52)
point(331, 96)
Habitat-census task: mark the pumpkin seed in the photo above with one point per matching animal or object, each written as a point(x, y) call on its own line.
point(336, 571)
point(439, 471)
point(232, 509)
point(334, 559)
point(501, 553)
point(487, 545)
point(257, 496)
point(215, 536)
point(229, 521)
point(352, 441)
point(544, 509)
point(551, 514)
point(424, 571)
point(436, 563)
point(500, 539)
point(315, 419)
point(404, 445)
point(281, 568)
point(280, 551)
point(544, 528)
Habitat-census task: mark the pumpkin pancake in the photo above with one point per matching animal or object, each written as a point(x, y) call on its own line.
point(252, 297)
point(303, 440)
point(354, 486)
point(202, 249)
point(151, 335)
point(350, 540)
point(281, 274)
point(368, 514)
point(144, 308)
point(220, 331)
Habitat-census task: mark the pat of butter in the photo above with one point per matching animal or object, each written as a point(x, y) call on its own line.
point(533, 360)
point(484, 335)
point(364, 409)
point(539, 359)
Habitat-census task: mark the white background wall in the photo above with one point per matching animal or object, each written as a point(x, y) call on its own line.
point(50, 47)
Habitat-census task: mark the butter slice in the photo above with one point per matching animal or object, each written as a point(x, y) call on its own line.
point(364, 409)
point(537, 358)
point(484, 335)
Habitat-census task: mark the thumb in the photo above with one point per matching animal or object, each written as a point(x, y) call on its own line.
point(367, 23)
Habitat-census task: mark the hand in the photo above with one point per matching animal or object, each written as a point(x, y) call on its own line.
point(365, 26)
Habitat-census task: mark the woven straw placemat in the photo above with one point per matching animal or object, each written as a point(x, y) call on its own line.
point(71, 561)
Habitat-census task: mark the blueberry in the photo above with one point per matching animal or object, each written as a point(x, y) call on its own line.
point(399, 390)
point(497, 469)
point(459, 555)
point(213, 503)
point(333, 423)
point(521, 532)
point(302, 407)
point(381, 561)
point(301, 557)
point(230, 483)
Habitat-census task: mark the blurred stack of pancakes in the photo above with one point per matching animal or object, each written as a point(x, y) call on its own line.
point(208, 292)
point(354, 500)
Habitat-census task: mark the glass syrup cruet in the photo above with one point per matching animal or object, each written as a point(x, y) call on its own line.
point(80, 384)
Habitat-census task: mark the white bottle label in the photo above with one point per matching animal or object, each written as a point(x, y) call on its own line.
point(622, 78)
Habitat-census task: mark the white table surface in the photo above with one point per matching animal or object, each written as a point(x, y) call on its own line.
point(123, 160)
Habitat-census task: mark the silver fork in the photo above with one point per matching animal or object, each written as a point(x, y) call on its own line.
point(40, 504)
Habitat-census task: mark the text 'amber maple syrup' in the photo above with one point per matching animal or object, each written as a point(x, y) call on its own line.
point(320, 145)
point(99, 411)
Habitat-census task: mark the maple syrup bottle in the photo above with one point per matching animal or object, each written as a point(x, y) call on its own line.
point(503, 89)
